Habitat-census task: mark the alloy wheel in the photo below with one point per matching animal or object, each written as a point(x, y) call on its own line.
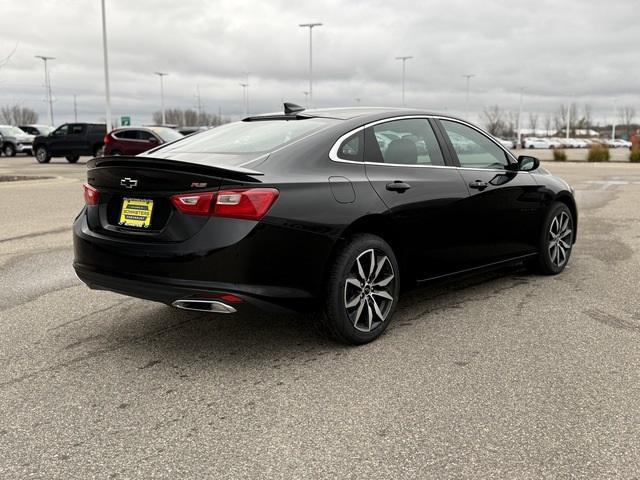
point(369, 290)
point(560, 239)
point(41, 153)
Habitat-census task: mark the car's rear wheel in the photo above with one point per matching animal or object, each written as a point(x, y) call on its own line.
point(9, 150)
point(42, 155)
point(97, 151)
point(556, 240)
point(362, 290)
point(115, 153)
point(72, 158)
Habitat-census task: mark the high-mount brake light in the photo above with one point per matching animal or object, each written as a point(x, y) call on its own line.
point(245, 203)
point(91, 195)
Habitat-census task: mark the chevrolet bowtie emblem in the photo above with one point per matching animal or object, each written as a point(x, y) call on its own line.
point(128, 182)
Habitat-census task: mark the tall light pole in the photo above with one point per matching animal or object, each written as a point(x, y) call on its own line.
point(162, 75)
point(310, 26)
point(468, 76)
point(613, 125)
point(568, 120)
point(306, 98)
point(245, 98)
point(404, 61)
point(520, 118)
point(47, 85)
point(107, 93)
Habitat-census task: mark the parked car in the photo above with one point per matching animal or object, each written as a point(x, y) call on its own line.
point(506, 142)
point(618, 143)
point(135, 140)
point(36, 130)
point(70, 141)
point(305, 210)
point(535, 142)
point(15, 141)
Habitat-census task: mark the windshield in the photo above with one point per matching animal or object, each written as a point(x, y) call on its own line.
point(167, 134)
point(249, 137)
point(11, 131)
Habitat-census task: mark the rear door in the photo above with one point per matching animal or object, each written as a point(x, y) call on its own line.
point(146, 141)
point(501, 214)
point(76, 140)
point(407, 168)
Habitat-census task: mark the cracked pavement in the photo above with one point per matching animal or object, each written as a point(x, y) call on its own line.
point(499, 375)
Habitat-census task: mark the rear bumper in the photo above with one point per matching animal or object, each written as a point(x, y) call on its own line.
point(168, 291)
point(258, 266)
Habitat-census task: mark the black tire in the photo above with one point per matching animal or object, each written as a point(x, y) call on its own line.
point(97, 151)
point(554, 255)
point(9, 150)
point(73, 158)
point(373, 311)
point(42, 154)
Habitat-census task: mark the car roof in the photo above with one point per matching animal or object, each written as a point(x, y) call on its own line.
point(348, 113)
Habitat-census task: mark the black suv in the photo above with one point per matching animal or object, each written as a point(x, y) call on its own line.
point(70, 141)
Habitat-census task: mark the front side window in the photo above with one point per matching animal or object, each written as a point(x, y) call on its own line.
point(474, 150)
point(404, 142)
point(63, 130)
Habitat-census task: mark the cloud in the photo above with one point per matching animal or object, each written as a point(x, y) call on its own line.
point(580, 51)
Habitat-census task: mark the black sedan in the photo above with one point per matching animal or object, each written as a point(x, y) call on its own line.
point(334, 210)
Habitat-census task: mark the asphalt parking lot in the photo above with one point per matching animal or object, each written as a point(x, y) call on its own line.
point(502, 375)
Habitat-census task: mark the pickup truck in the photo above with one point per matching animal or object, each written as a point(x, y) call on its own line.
point(70, 141)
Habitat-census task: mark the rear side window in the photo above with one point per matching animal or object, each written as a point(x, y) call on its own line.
point(352, 147)
point(76, 129)
point(474, 150)
point(249, 137)
point(404, 142)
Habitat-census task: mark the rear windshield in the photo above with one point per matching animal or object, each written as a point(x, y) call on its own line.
point(249, 137)
point(166, 134)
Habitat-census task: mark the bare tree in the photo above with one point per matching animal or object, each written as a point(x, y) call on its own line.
point(17, 115)
point(627, 114)
point(548, 122)
point(188, 118)
point(493, 119)
point(587, 117)
point(510, 124)
point(533, 122)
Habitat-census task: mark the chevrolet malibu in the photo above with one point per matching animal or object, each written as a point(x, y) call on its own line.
point(333, 210)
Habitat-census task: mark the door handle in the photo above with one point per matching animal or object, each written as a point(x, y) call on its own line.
point(478, 184)
point(398, 186)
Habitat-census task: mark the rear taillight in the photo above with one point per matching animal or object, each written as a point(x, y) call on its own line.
point(91, 195)
point(106, 139)
point(248, 204)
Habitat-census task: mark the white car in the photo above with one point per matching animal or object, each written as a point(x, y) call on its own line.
point(556, 142)
point(15, 141)
point(535, 142)
point(618, 143)
point(506, 143)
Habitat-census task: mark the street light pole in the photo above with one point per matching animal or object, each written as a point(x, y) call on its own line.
point(245, 98)
point(106, 70)
point(47, 85)
point(161, 75)
point(404, 61)
point(613, 125)
point(306, 98)
point(310, 26)
point(468, 76)
point(520, 117)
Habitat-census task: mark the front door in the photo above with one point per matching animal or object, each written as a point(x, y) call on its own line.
point(502, 213)
point(406, 167)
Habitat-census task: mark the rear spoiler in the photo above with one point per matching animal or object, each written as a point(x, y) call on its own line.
point(124, 161)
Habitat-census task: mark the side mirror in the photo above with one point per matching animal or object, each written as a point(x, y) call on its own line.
point(527, 163)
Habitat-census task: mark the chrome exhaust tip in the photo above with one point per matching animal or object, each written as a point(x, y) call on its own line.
point(211, 306)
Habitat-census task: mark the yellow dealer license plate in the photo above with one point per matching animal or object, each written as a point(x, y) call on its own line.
point(136, 212)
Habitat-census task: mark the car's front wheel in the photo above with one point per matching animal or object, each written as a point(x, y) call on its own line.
point(9, 150)
point(42, 155)
point(362, 290)
point(555, 241)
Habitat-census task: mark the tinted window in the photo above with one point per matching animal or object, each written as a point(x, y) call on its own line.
point(406, 142)
point(351, 148)
point(144, 135)
point(63, 130)
point(127, 134)
point(249, 137)
point(76, 129)
point(473, 148)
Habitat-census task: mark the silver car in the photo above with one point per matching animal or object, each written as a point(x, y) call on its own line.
point(15, 141)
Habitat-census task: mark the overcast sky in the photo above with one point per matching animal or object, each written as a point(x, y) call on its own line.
point(587, 51)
